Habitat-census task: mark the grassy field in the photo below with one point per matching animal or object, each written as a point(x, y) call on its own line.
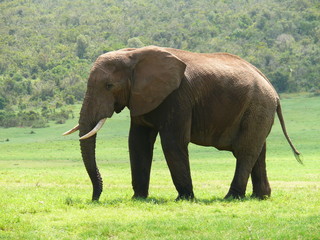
point(45, 191)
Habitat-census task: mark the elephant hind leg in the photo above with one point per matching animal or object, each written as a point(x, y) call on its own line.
point(239, 183)
point(249, 150)
point(260, 183)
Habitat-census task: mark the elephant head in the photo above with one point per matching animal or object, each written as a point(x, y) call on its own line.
point(139, 79)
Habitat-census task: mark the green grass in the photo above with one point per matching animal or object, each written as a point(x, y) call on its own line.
point(45, 191)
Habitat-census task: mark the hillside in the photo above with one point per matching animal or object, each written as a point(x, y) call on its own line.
point(47, 47)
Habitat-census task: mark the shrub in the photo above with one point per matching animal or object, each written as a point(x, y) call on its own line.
point(69, 99)
point(3, 103)
point(40, 123)
point(8, 118)
point(60, 117)
point(31, 119)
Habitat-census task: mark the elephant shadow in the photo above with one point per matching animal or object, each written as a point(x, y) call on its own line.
point(164, 201)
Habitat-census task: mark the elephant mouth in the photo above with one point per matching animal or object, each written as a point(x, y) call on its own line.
point(118, 107)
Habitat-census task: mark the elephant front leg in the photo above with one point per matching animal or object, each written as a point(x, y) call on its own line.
point(141, 142)
point(176, 153)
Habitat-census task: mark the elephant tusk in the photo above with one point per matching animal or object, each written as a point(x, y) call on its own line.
point(95, 130)
point(76, 128)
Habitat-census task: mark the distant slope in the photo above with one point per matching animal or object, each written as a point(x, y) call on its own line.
point(47, 47)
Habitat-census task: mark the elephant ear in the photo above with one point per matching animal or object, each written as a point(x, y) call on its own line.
point(156, 73)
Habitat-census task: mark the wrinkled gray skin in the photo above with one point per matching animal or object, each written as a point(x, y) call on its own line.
point(214, 100)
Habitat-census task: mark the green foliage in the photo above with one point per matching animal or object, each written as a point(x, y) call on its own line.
point(135, 43)
point(60, 117)
point(30, 118)
point(82, 45)
point(2, 103)
point(47, 47)
point(8, 118)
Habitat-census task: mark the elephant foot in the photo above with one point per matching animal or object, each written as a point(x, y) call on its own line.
point(185, 196)
point(234, 195)
point(262, 195)
point(139, 196)
point(261, 191)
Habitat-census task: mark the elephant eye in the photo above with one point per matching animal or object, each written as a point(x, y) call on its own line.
point(109, 86)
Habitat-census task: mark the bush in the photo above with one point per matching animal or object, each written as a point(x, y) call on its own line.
point(280, 80)
point(8, 119)
point(31, 119)
point(60, 121)
point(60, 117)
point(69, 99)
point(316, 93)
point(135, 43)
point(3, 103)
point(40, 123)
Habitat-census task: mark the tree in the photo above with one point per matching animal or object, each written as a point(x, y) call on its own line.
point(81, 46)
point(135, 43)
point(2, 103)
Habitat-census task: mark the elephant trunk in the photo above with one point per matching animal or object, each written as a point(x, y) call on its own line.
point(89, 159)
point(88, 147)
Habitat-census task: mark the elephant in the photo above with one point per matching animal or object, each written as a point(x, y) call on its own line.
point(209, 99)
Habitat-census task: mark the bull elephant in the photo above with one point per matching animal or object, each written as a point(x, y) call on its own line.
point(217, 100)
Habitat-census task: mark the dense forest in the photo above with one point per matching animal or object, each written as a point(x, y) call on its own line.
point(47, 47)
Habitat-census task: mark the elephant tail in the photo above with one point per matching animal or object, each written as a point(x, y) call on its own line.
point(284, 130)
